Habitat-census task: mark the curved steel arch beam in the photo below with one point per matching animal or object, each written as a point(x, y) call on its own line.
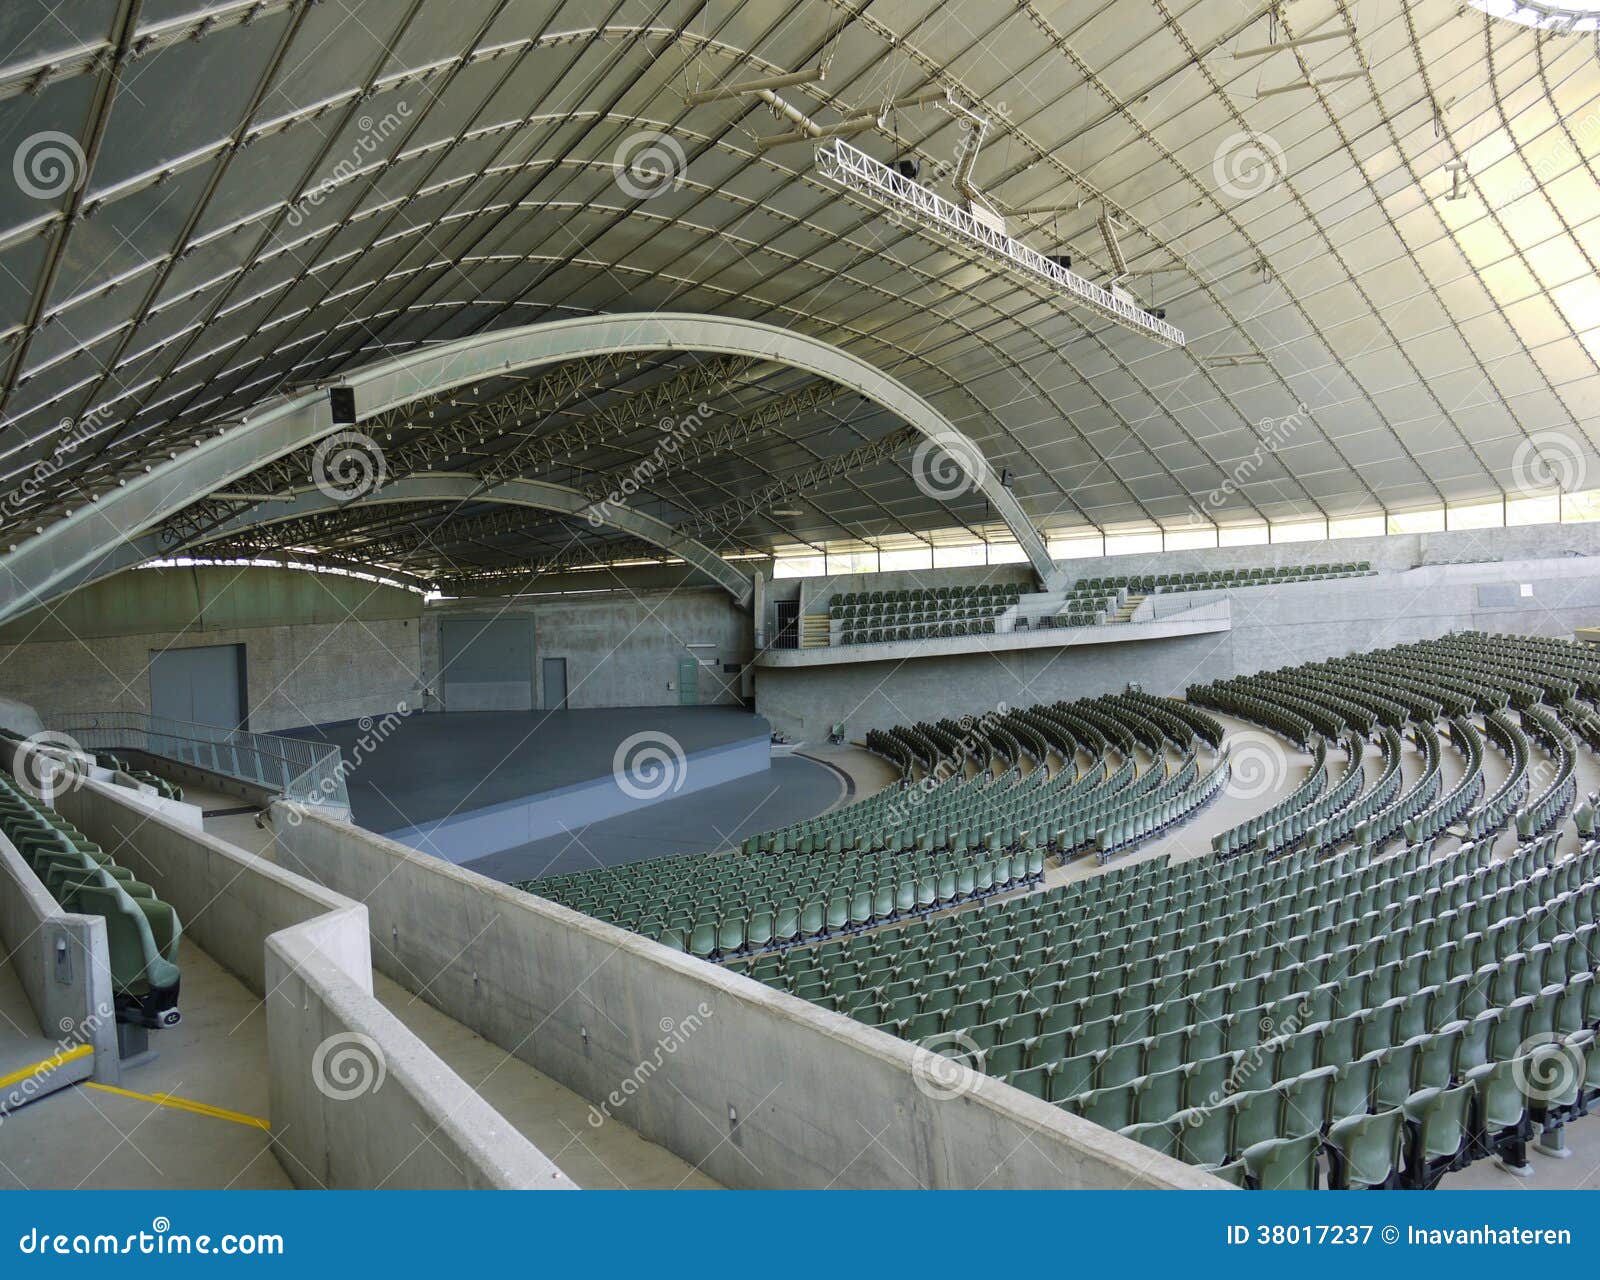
point(67, 551)
point(431, 486)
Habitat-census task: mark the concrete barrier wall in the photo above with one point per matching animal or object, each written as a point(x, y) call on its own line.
point(754, 1086)
point(411, 1121)
point(61, 960)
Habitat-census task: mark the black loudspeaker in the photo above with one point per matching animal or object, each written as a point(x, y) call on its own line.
point(909, 168)
point(342, 401)
point(1062, 260)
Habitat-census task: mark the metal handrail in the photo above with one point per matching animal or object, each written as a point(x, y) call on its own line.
point(309, 772)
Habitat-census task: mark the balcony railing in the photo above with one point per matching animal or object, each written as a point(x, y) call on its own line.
point(307, 772)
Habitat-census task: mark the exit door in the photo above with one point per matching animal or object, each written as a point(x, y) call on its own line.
point(688, 682)
point(555, 684)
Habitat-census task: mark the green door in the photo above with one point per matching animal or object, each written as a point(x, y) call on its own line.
point(688, 682)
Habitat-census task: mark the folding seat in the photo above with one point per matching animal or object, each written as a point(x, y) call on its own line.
point(1353, 1088)
point(1074, 1076)
point(1208, 1080)
point(1005, 1059)
point(1159, 1096)
point(1164, 1051)
point(1110, 1108)
point(1205, 1135)
point(1499, 1113)
point(1298, 1052)
point(1306, 1100)
point(1365, 1150)
point(1397, 1068)
point(1092, 1037)
point(1378, 1027)
point(1122, 1063)
point(1508, 1029)
point(1255, 1117)
point(1204, 1040)
point(1570, 1015)
point(1158, 1136)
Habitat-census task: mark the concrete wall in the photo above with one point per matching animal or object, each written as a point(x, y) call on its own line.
point(1546, 582)
point(356, 1099)
point(318, 648)
point(757, 1087)
point(622, 648)
point(62, 963)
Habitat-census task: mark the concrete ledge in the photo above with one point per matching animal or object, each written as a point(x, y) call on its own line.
point(1204, 618)
point(412, 1122)
point(755, 1086)
point(61, 960)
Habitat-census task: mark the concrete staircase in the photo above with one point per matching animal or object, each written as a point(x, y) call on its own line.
point(1129, 608)
point(815, 631)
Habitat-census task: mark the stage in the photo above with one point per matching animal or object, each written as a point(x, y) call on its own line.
point(467, 785)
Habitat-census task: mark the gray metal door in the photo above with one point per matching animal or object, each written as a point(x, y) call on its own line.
point(487, 664)
point(555, 684)
point(201, 686)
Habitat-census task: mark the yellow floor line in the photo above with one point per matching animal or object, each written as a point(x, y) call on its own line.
point(183, 1104)
point(47, 1065)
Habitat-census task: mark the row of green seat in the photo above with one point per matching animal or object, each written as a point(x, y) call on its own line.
point(142, 931)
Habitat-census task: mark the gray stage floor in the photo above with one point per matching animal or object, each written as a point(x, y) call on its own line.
point(792, 789)
point(435, 765)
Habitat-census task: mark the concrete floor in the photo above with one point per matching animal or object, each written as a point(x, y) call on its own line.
point(86, 1137)
point(552, 1117)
